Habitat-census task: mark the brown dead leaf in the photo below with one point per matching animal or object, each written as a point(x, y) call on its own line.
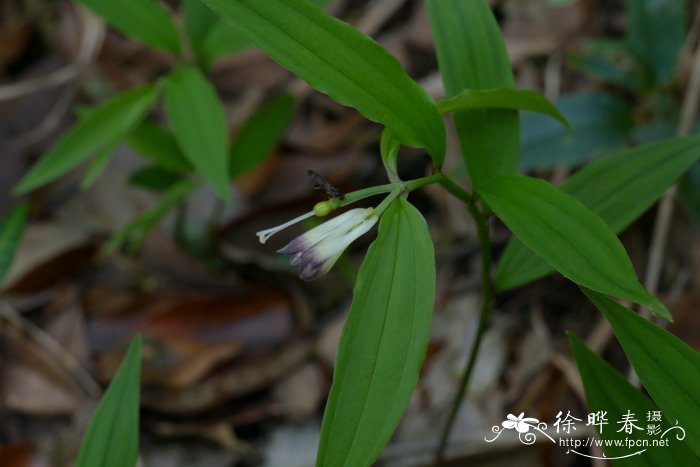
point(190, 334)
point(47, 253)
point(16, 455)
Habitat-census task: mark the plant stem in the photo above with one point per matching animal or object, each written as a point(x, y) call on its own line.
point(485, 247)
point(410, 185)
point(458, 192)
point(395, 192)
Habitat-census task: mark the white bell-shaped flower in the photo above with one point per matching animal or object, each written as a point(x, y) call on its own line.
point(315, 252)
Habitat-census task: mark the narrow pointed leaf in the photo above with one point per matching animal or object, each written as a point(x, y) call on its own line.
point(619, 188)
point(154, 178)
point(144, 20)
point(655, 35)
point(668, 368)
point(97, 167)
point(571, 238)
point(608, 391)
point(199, 124)
point(259, 136)
point(472, 55)
point(112, 438)
point(338, 60)
point(102, 127)
point(383, 343)
point(389, 149)
point(210, 37)
point(158, 145)
point(11, 229)
point(502, 98)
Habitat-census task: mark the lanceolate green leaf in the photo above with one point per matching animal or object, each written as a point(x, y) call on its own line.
point(608, 391)
point(259, 136)
point(567, 235)
point(667, 367)
point(11, 229)
point(112, 438)
point(384, 341)
point(655, 35)
point(103, 126)
point(141, 19)
point(154, 178)
point(502, 98)
point(159, 146)
point(472, 55)
point(199, 124)
point(338, 60)
point(97, 166)
point(619, 188)
point(389, 149)
point(210, 37)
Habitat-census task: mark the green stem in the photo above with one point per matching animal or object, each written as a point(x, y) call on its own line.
point(410, 185)
point(489, 292)
point(355, 196)
point(456, 191)
point(395, 192)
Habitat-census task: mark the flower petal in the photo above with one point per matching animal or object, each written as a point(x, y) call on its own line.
point(264, 235)
point(318, 259)
point(318, 233)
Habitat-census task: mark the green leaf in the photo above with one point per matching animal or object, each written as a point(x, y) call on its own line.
point(389, 149)
point(667, 367)
point(608, 391)
point(104, 126)
point(259, 136)
point(11, 230)
point(338, 60)
point(154, 178)
point(210, 37)
point(502, 98)
point(609, 60)
point(144, 20)
point(222, 40)
point(112, 438)
point(383, 343)
point(619, 188)
point(199, 124)
point(135, 232)
point(472, 55)
point(689, 192)
point(655, 35)
point(159, 146)
point(566, 234)
point(97, 167)
point(601, 122)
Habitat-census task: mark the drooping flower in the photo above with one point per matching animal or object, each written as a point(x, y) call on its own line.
point(520, 423)
point(315, 252)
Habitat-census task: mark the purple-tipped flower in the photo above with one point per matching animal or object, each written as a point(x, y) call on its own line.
point(315, 252)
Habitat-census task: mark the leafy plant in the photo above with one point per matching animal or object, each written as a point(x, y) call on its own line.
point(195, 146)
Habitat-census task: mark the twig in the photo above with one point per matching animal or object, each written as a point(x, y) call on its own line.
point(93, 31)
point(665, 212)
point(53, 349)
